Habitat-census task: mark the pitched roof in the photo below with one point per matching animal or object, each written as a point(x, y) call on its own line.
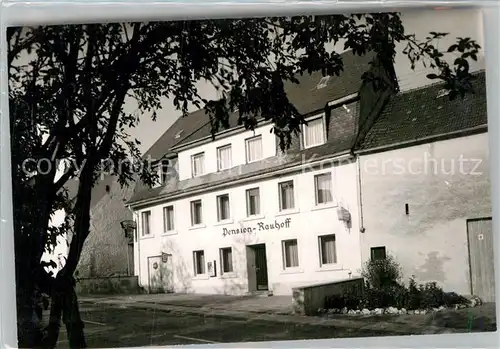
point(305, 96)
point(419, 113)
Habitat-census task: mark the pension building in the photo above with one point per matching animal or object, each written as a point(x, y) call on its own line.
point(236, 215)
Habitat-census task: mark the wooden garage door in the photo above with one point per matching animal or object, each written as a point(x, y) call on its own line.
point(482, 264)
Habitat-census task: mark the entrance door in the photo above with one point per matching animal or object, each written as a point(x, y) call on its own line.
point(482, 265)
point(155, 274)
point(261, 267)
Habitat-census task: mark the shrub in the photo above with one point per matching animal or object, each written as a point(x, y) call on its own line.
point(383, 288)
point(382, 273)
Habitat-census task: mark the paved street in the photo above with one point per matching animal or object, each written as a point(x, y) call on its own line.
point(111, 325)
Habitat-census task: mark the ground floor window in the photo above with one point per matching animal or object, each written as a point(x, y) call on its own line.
point(378, 253)
point(226, 260)
point(327, 249)
point(290, 253)
point(199, 262)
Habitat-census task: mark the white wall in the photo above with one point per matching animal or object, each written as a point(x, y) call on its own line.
point(307, 223)
point(238, 150)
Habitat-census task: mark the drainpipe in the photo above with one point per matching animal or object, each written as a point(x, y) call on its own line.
point(360, 202)
point(136, 240)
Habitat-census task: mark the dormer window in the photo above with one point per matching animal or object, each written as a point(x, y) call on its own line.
point(314, 132)
point(224, 157)
point(323, 82)
point(198, 164)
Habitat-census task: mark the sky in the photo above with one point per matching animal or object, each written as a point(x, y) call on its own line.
point(459, 23)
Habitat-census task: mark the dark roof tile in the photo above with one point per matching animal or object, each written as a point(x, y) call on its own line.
point(417, 114)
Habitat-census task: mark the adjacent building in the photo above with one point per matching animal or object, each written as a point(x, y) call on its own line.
point(425, 189)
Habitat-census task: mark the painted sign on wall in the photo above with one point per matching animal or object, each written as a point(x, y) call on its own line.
point(259, 226)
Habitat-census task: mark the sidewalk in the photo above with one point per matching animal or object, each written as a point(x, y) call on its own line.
point(261, 309)
point(281, 305)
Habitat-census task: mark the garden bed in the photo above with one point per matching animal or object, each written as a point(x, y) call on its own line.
point(384, 293)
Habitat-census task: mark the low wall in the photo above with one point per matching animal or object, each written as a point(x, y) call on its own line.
point(108, 285)
point(308, 299)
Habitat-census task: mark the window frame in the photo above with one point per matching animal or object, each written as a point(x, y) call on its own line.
point(280, 196)
point(374, 250)
point(304, 130)
point(202, 154)
point(191, 204)
point(283, 254)
point(221, 260)
point(247, 197)
point(195, 263)
point(247, 140)
point(144, 214)
point(217, 200)
point(227, 146)
point(165, 220)
point(316, 176)
point(320, 250)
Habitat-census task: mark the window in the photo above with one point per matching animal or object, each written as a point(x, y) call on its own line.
point(286, 195)
point(290, 254)
point(198, 164)
point(327, 249)
point(378, 253)
point(224, 158)
point(226, 260)
point(223, 207)
point(323, 188)
point(253, 202)
point(146, 223)
point(168, 218)
point(196, 212)
point(254, 149)
point(314, 133)
point(199, 262)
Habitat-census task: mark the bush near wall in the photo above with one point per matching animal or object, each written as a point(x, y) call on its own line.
point(384, 289)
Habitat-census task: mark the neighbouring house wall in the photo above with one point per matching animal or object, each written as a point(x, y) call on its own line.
point(108, 285)
point(431, 241)
point(105, 250)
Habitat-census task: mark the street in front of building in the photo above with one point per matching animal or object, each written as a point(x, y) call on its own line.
point(122, 321)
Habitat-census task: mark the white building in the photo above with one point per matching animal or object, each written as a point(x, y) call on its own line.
point(238, 216)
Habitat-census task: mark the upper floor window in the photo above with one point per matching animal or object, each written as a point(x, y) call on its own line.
point(146, 223)
point(198, 164)
point(224, 157)
point(254, 149)
point(314, 132)
point(286, 195)
point(196, 212)
point(168, 218)
point(223, 211)
point(253, 202)
point(323, 188)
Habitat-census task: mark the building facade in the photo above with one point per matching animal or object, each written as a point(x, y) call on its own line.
point(425, 189)
point(236, 215)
